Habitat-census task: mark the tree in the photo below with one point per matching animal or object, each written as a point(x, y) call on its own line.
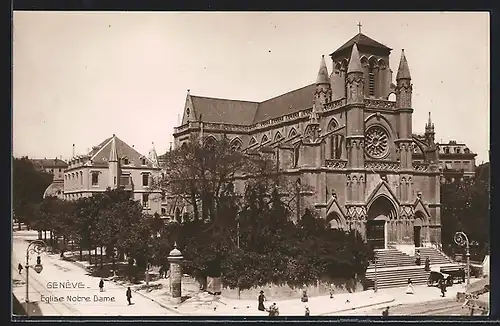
point(465, 207)
point(28, 186)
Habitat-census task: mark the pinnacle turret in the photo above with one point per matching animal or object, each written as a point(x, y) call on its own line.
point(323, 73)
point(429, 126)
point(153, 156)
point(403, 70)
point(354, 61)
point(113, 154)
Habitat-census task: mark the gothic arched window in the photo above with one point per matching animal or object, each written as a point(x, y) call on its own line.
point(236, 144)
point(264, 139)
point(371, 77)
point(210, 141)
point(292, 133)
point(252, 141)
point(277, 136)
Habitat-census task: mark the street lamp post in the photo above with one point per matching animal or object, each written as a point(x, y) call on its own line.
point(238, 246)
point(34, 247)
point(461, 239)
point(375, 286)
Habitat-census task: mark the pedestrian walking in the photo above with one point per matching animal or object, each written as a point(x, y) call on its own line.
point(101, 285)
point(261, 299)
point(129, 296)
point(417, 258)
point(331, 290)
point(307, 313)
point(409, 288)
point(442, 286)
point(304, 297)
point(427, 264)
point(385, 313)
point(20, 268)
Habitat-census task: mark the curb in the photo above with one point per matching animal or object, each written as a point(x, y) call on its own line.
point(359, 307)
point(156, 301)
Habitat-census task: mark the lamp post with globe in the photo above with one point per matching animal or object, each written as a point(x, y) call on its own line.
point(34, 247)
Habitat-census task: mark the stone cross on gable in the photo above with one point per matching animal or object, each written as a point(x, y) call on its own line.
point(359, 27)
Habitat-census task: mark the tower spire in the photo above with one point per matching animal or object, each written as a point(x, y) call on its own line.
point(354, 61)
point(113, 154)
point(429, 126)
point(403, 70)
point(322, 73)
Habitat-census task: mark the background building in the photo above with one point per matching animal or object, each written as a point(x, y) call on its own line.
point(113, 164)
point(54, 166)
point(456, 160)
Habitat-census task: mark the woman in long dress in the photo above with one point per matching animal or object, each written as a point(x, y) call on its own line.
point(262, 298)
point(409, 289)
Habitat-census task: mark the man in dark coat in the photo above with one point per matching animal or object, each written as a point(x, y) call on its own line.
point(101, 285)
point(129, 295)
point(385, 313)
point(442, 286)
point(20, 268)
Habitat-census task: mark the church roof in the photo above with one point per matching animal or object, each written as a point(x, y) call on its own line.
point(100, 154)
point(219, 110)
point(294, 101)
point(362, 40)
point(237, 112)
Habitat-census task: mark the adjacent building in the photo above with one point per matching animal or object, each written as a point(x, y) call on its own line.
point(343, 136)
point(113, 164)
point(53, 166)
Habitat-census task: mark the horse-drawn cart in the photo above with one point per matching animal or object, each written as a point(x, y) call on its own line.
point(435, 278)
point(450, 275)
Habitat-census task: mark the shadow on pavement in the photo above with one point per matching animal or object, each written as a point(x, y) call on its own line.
point(19, 309)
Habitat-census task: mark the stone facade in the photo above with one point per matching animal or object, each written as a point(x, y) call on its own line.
point(345, 138)
point(114, 164)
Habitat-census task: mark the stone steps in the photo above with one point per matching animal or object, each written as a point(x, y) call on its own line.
point(396, 277)
point(434, 255)
point(392, 258)
point(395, 267)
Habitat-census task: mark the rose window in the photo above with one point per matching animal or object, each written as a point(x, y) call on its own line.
point(377, 142)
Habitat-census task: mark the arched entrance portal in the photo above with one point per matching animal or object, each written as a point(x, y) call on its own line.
point(380, 214)
point(418, 229)
point(335, 221)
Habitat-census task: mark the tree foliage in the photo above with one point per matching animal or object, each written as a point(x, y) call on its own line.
point(28, 186)
point(465, 207)
point(249, 238)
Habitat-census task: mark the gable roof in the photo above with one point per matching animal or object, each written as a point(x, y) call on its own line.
point(49, 163)
point(237, 112)
point(293, 101)
point(363, 40)
point(219, 110)
point(100, 154)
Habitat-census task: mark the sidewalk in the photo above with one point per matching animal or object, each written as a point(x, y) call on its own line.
point(81, 285)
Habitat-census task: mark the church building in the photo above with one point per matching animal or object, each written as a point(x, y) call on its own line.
point(344, 137)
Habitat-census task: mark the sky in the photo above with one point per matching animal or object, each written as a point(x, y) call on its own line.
point(80, 77)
